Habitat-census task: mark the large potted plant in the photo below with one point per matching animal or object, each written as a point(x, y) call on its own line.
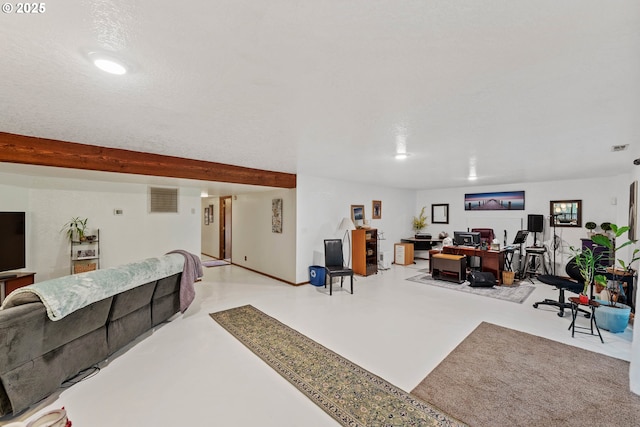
point(612, 314)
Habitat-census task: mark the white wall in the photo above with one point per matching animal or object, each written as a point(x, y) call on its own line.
point(596, 195)
point(273, 254)
point(51, 202)
point(634, 371)
point(210, 235)
point(322, 203)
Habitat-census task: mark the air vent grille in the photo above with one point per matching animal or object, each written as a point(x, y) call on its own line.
point(162, 199)
point(616, 148)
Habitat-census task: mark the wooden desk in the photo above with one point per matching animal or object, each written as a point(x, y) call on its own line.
point(421, 244)
point(10, 284)
point(491, 261)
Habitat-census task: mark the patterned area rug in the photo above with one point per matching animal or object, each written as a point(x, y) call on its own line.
point(517, 293)
point(344, 390)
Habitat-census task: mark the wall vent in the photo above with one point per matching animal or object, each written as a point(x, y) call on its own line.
point(163, 200)
point(616, 148)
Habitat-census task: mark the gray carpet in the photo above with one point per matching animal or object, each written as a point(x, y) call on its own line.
point(517, 292)
point(502, 377)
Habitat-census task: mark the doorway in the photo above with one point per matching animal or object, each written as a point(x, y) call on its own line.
point(225, 227)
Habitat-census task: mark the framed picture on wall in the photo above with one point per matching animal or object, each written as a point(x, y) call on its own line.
point(497, 201)
point(206, 216)
point(211, 214)
point(357, 215)
point(376, 209)
point(276, 216)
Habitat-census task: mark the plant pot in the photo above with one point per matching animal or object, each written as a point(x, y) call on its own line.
point(613, 319)
point(584, 299)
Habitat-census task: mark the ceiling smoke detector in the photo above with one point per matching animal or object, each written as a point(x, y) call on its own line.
point(616, 148)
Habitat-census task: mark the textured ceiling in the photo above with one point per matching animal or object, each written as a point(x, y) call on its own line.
point(517, 90)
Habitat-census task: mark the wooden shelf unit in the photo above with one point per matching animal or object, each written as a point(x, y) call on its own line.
point(364, 252)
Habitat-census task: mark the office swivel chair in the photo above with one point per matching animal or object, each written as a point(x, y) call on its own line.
point(334, 263)
point(563, 284)
point(486, 235)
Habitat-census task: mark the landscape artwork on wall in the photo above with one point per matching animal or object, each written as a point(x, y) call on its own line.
point(499, 201)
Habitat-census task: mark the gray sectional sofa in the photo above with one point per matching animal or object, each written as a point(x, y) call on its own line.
point(38, 354)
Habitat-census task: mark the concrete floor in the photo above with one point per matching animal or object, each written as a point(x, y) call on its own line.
point(191, 372)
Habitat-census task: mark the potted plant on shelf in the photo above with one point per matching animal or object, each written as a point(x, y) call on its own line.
point(612, 314)
point(590, 226)
point(420, 222)
point(587, 260)
point(75, 227)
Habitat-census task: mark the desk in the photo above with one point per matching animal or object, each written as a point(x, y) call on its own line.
point(421, 244)
point(491, 261)
point(10, 284)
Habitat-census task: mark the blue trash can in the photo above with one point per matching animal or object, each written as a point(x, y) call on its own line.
point(316, 275)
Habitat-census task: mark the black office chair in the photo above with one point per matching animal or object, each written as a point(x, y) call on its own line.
point(334, 263)
point(563, 284)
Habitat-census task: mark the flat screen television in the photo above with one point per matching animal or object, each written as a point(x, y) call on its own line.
point(466, 238)
point(12, 242)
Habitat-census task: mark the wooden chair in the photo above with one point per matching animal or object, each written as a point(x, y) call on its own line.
point(334, 263)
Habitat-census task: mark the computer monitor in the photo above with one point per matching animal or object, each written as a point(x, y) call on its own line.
point(466, 238)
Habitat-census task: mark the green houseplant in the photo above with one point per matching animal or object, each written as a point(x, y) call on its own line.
point(613, 315)
point(420, 222)
point(590, 226)
point(624, 267)
point(587, 261)
point(75, 226)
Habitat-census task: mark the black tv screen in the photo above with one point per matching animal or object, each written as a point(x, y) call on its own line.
point(12, 240)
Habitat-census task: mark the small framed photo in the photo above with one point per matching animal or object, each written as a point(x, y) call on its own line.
point(376, 210)
point(210, 214)
point(357, 215)
point(206, 216)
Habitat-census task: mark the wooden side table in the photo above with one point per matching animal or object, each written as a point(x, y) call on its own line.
point(575, 303)
point(15, 281)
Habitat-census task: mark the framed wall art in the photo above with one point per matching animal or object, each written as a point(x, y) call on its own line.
point(206, 216)
point(276, 215)
point(357, 215)
point(566, 213)
point(440, 213)
point(376, 209)
point(499, 201)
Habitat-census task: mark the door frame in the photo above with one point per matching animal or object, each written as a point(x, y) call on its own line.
point(222, 224)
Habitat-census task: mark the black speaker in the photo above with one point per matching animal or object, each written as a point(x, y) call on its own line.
point(535, 223)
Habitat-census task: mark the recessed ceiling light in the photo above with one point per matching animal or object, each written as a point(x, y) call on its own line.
point(110, 66)
point(401, 156)
point(107, 62)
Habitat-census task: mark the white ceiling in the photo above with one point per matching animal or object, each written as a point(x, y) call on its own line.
point(519, 90)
